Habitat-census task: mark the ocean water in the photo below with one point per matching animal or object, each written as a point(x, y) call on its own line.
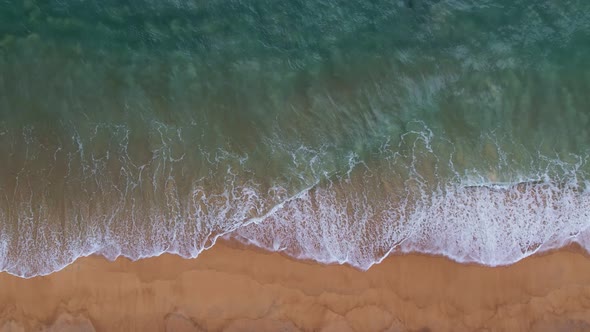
point(339, 131)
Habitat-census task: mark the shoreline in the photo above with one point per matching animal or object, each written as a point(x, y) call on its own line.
point(235, 287)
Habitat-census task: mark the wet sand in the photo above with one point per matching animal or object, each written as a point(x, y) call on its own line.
point(232, 287)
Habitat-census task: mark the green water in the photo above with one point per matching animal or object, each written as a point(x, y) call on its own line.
point(148, 126)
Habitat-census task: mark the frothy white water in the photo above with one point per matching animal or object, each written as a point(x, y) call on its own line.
point(419, 195)
point(490, 225)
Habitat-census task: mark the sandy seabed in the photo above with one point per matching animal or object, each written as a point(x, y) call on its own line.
point(232, 287)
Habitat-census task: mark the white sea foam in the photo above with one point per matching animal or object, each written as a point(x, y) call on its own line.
point(489, 224)
point(411, 197)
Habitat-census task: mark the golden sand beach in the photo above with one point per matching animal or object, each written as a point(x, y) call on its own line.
point(233, 287)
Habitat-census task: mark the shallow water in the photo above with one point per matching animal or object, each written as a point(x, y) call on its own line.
point(338, 131)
